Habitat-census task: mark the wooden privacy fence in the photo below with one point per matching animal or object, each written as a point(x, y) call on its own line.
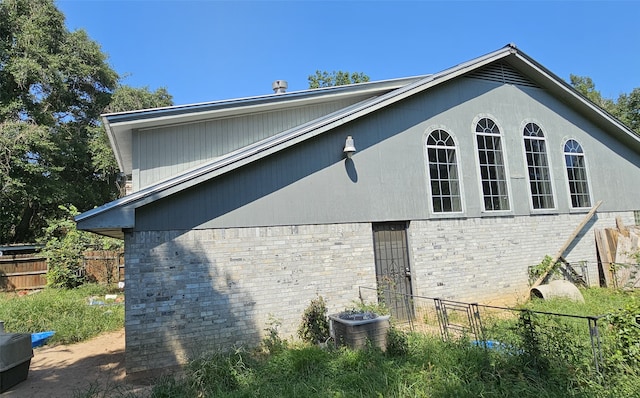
point(22, 271)
point(104, 266)
point(28, 271)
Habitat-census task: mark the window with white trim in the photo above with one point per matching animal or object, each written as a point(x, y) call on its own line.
point(491, 161)
point(443, 173)
point(576, 174)
point(538, 167)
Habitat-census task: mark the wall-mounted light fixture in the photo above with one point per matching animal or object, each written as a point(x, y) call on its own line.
point(349, 147)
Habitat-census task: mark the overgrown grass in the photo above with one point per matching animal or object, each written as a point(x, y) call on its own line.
point(597, 301)
point(67, 312)
point(430, 368)
point(540, 358)
point(544, 358)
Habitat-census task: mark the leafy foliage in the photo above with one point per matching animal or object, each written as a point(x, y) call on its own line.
point(64, 247)
point(124, 98)
point(540, 269)
point(397, 342)
point(314, 327)
point(272, 342)
point(587, 87)
point(539, 357)
point(626, 108)
point(548, 344)
point(53, 86)
point(339, 78)
point(127, 98)
point(624, 355)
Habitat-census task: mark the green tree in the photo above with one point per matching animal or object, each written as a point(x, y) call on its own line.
point(339, 78)
point(587, 87)
point(53, 86)
point(124, 98)
point(628, 109)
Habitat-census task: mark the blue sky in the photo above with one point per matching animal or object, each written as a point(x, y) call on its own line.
point(206, 50)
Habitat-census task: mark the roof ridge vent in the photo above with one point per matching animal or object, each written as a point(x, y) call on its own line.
point(280, 86)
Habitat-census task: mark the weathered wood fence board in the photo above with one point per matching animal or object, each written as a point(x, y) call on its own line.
point(29, 271)
point(22, 271)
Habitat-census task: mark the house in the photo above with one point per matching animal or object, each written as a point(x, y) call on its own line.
point(453, 184)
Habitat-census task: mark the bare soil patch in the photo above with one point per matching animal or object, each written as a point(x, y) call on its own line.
point(62, 370)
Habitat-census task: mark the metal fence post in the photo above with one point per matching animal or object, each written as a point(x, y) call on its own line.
point(596, 346)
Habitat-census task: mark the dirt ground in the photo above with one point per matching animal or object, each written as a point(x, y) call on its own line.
point(61, 371)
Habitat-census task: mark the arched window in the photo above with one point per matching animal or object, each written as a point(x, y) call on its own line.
point(443, 173)
point(492, 173)
point(576, 174)
point(538, 166)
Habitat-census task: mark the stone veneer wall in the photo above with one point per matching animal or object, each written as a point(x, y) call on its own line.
point(486, 259)
point(192, 291)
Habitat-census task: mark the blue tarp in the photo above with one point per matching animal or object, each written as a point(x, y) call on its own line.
point(38, 339)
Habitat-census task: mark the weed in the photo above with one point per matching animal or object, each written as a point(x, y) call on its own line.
point(218, 372)
point(272, 342)
point(376, 308)
point(540, 269)
point(624, 343)
point(397, 342)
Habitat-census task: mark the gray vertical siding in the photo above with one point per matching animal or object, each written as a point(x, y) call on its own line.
point(168, 151)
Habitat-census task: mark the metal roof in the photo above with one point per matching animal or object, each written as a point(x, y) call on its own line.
point(125, 207)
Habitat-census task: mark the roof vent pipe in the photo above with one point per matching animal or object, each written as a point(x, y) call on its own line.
point(279, 86)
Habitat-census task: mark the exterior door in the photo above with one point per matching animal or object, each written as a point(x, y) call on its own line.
point(393, 273)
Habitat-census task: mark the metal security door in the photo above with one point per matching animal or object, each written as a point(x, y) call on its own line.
point(392, 268)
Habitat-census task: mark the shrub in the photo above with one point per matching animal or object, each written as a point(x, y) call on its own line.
point(315, 325)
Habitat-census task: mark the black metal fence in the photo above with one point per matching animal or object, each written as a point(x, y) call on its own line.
point(502, 328)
